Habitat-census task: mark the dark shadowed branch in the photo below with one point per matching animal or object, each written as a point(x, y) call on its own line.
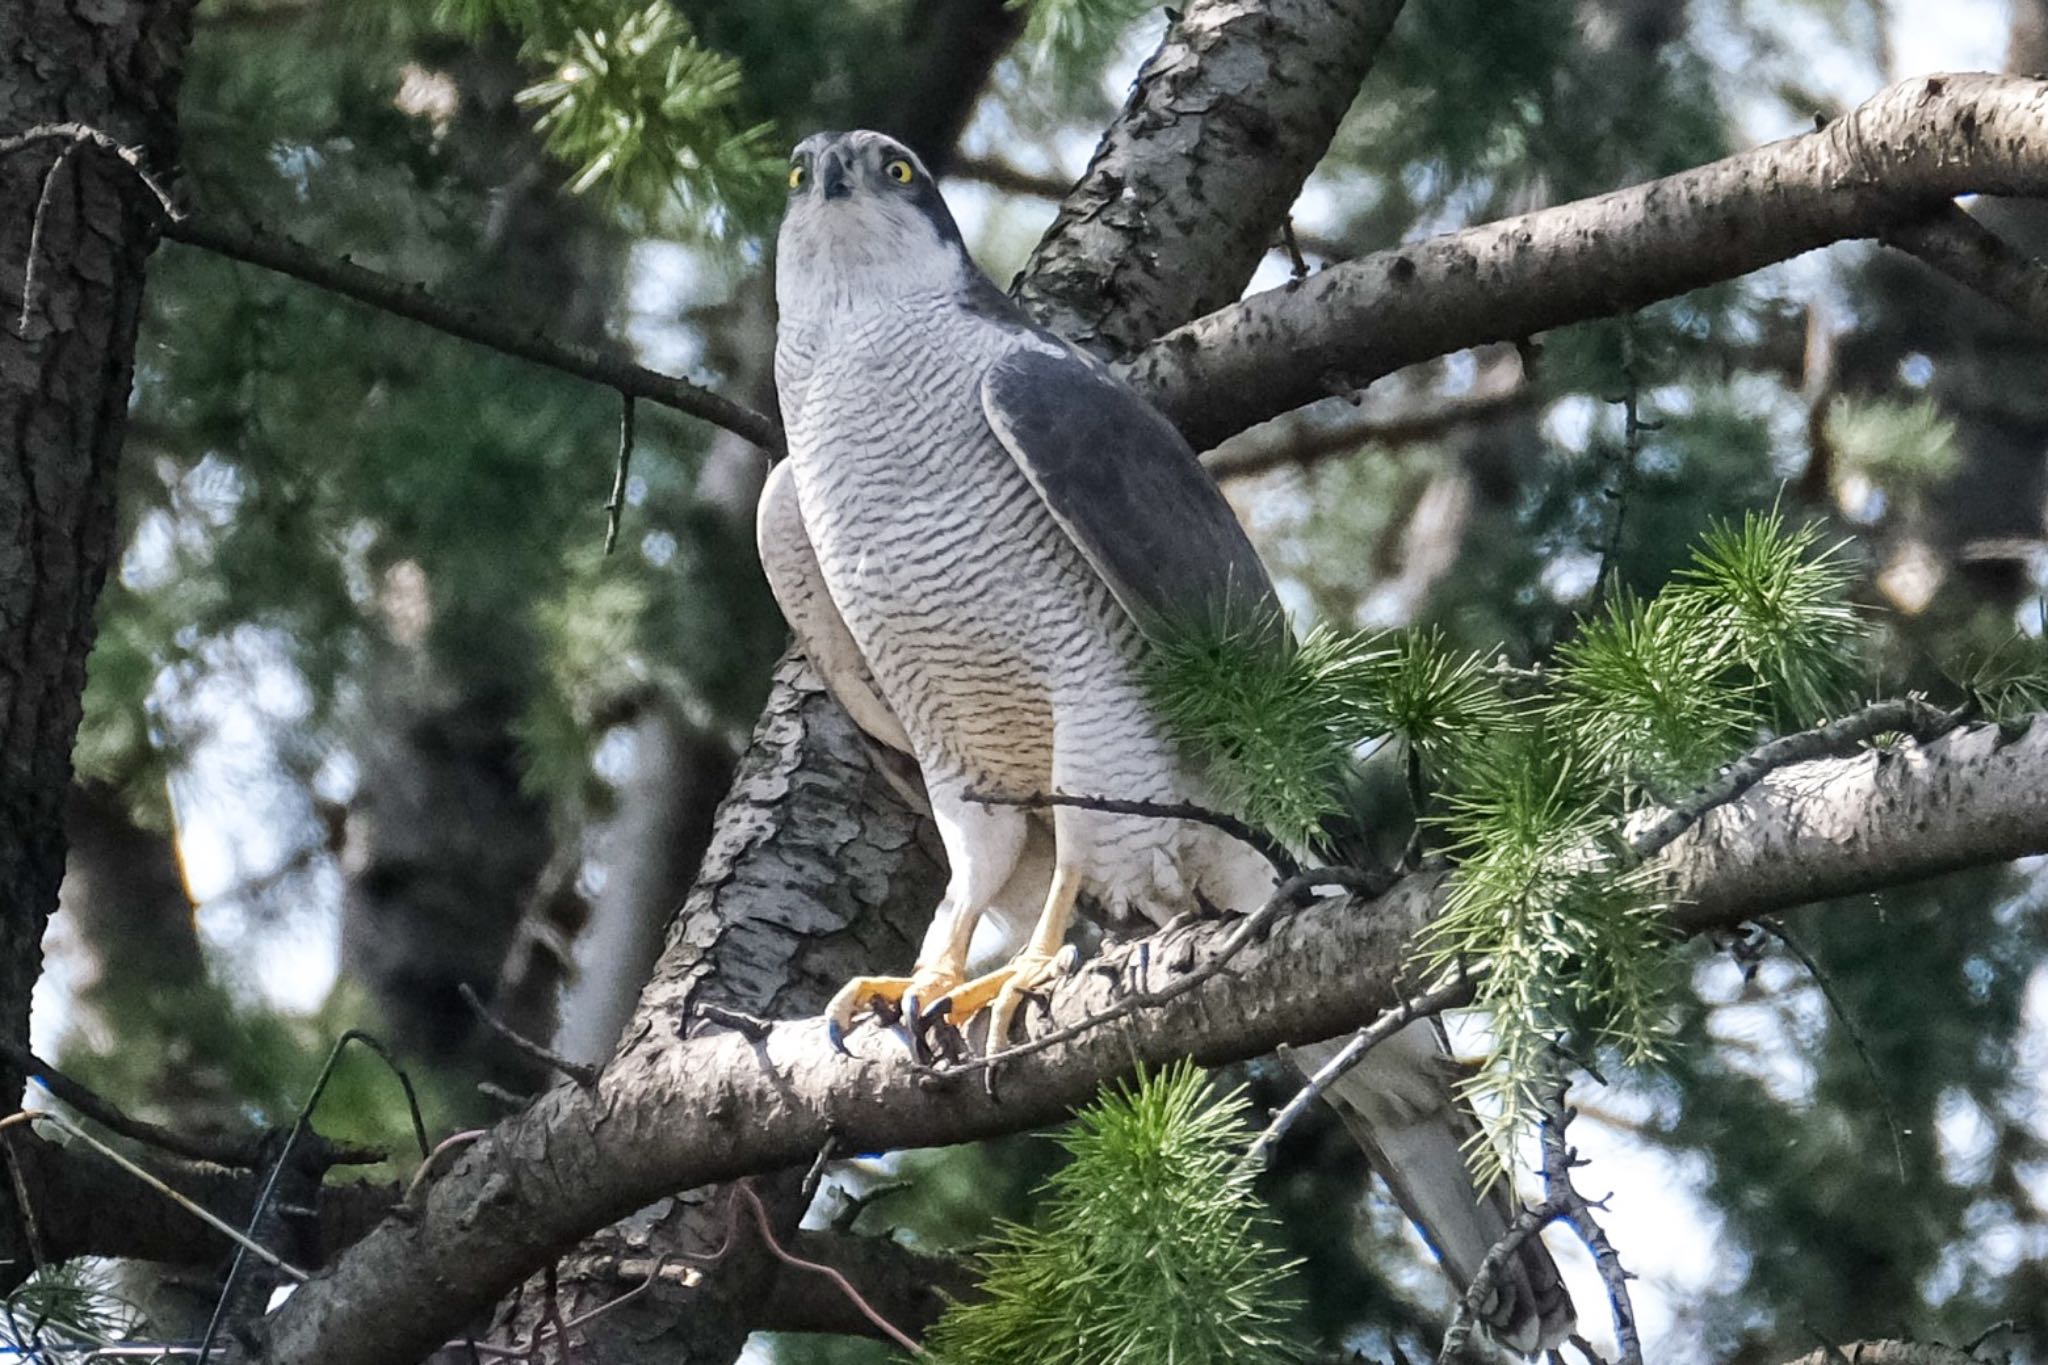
point(255, 246)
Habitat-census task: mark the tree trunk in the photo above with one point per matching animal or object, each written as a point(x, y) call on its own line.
point(64, 381)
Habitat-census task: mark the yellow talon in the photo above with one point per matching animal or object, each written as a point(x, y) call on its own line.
point(903, 991)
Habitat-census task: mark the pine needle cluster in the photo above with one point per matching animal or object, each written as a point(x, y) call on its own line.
point(1148, 1249)
point(1529, 792)
point(638, 106)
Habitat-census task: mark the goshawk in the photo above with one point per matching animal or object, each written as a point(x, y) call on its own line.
point(975, 530)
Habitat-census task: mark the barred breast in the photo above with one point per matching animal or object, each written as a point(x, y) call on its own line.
point(976, 613)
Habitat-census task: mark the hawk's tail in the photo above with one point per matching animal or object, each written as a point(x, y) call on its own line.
point(1398, 1102)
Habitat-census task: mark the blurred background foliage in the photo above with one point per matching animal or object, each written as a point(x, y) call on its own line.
point(372, 715)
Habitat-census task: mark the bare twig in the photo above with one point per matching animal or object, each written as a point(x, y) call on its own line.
point(1260, 842)
point(79, 134)
point(582, 1073)
point(1910, 715)
point(415, 1189)
point(1625, 460)
point(241, 1153)
point(301, 1126)
point(740, 1022)
point(203, 1214)
point(44, 198)
point(1559, 1160)
point(1365, 1040)
point(1527, 1224)
point(1304, 438)
point(1826, 983)
point(743, 1189)
point(255, 246)
point(615, 506)
point(1297, 265)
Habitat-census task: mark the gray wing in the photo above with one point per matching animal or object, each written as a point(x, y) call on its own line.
point(799, 587)
point(1128, 490)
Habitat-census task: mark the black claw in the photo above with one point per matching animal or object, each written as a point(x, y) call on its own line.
point(837, 1037)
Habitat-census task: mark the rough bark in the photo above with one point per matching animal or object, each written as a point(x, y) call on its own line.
point(721, 1104)
point(1888, 162)
point(64, 381)
point(817, 870)
point(1189, 186)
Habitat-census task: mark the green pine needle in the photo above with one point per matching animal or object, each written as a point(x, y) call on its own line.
point(1570, 934)
point(1276, 724)
point(1647, 695)
point(1438, 701)
point(1070, 32)
point(637, 106)
point(1784, 603)
point(2010, 681)
point(1148, 1251)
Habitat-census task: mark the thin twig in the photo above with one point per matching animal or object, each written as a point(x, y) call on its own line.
point(1841, 1011)
point(1260, 842)
point(1559, 1160)
point(816, 1175)
point(615, 506)
point(301, 1125)
point(1297, 265)
point(454, 1142)
point(203, 1214)
point(1909, 715)
point(23, 1201)
point(254, 246)
point(45, 197)
point(749, 1026)
point(1632, 428)
point(582, 1073)
point(241, 1153)
point(1365, 1040)
point(78, 134)
point(889, 1329)
point(1529, 1223)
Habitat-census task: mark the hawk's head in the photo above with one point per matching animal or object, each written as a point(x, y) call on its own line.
point(865, 219)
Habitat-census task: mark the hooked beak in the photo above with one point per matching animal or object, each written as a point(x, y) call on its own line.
point(832, 176)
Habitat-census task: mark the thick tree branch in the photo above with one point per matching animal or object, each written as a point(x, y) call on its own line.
point(670, 1114)
point(254, 246)
point(1884, 165)
point(1191, 183)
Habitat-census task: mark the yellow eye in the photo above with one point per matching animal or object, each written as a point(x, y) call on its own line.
point(796, 177)
point(900, 171)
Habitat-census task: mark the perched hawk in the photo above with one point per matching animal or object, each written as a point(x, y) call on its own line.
point(975, 529)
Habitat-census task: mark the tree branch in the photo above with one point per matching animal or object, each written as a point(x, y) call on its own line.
point(1190, 185)
point(1877, 168)
point(1958, 246)
point(1305, 436)
point(674, 1114)
point(254, 246)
